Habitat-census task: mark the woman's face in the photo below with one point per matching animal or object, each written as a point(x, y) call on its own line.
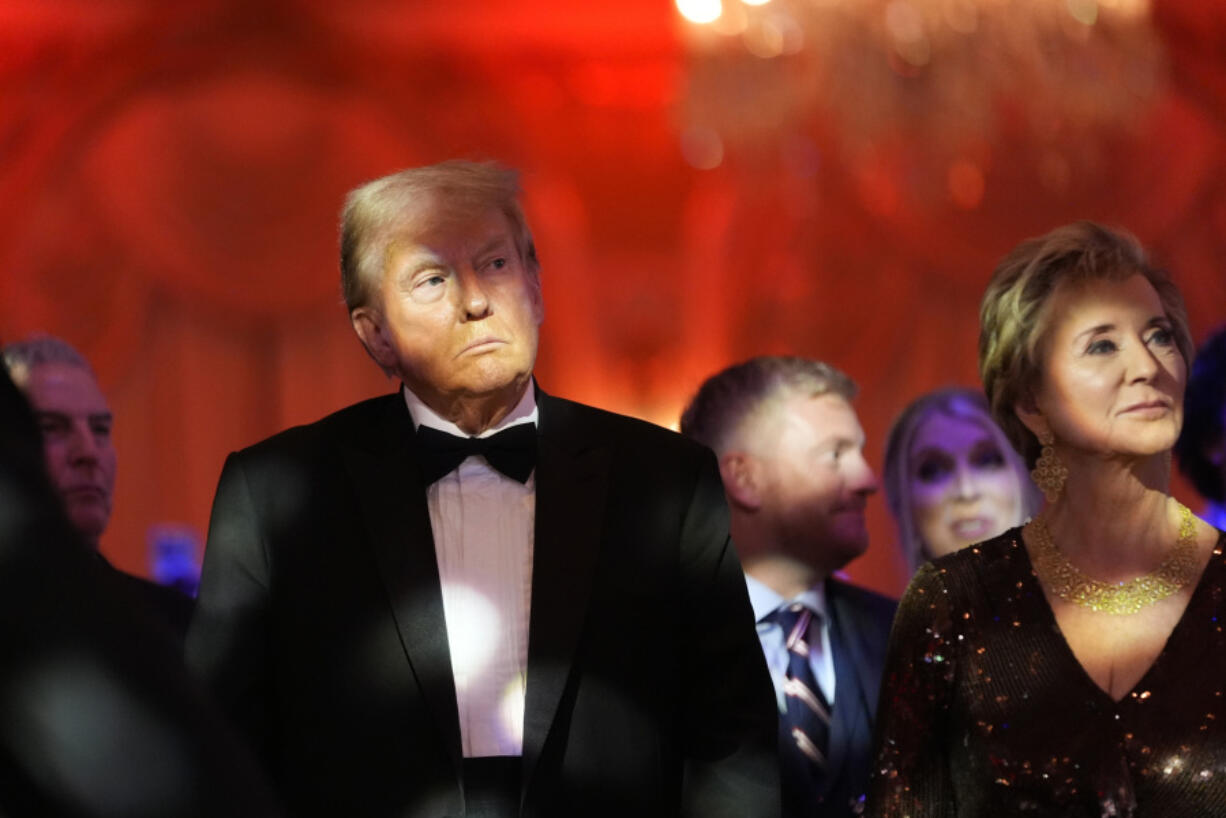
point(1113, 378)
point(963, 489)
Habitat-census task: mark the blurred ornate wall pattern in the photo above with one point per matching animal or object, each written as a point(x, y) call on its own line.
point(172, 175)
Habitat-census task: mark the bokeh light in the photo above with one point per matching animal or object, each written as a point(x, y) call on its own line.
point(473, 630)
point(700, 11)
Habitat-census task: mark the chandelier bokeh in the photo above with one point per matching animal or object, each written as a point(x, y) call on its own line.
point(943, 76)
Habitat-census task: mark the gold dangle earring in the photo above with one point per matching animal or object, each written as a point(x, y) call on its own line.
point(1049, 473)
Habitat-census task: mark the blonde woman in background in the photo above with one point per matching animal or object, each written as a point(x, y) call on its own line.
point(951, 477)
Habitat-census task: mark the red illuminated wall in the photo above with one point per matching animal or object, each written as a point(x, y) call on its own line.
point(172, 174)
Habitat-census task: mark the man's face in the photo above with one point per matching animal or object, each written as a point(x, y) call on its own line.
point(457, 311)
point(76, 425)
point(814, 480)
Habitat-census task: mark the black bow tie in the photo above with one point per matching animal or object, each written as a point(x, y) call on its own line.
point(511, 451)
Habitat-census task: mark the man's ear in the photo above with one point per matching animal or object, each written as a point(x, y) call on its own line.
point(369, 325)
point(739, 472)
point(534, 292)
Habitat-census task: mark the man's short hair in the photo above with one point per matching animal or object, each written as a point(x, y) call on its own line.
point(1015, 315)
point(22, 356)
point(728, 398)
point(374, 213)
point(1204, 419)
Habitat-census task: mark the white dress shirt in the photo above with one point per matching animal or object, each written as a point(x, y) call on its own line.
point(765, 602)
point(483, 525)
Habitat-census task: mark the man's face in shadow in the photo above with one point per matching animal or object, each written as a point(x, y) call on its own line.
point(75, 421)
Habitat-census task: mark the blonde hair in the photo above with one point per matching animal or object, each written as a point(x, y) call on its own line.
point(1014, 315)
point(726, 399)
point(374, 212)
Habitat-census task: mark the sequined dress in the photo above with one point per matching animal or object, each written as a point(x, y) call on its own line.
point(985, 711)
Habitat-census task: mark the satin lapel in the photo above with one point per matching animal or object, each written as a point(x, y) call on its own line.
point(383, 470)
point(571, 487)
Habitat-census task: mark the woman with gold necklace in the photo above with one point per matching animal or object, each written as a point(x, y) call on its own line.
point(1075, 666)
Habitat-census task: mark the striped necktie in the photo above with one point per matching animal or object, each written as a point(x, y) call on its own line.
point(805, 727)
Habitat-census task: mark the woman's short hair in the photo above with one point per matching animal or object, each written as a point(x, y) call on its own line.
point(374, 213)
point(1014, 315)
point(1204, 419)
point(967, 405)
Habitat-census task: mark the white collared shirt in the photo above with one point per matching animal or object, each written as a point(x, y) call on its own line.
point(765, 602)
point(483, 524)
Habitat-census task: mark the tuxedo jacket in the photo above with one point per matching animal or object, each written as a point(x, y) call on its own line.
point(860, 623)
point(320, 625)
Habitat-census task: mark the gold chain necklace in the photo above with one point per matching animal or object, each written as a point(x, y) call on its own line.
point(1064, 579)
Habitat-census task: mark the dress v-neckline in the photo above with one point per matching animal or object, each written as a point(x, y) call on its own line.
point(1144, 682)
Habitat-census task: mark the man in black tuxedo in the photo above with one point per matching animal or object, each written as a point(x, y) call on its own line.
point(79, 455)
point(791, 456)
point(471, 598)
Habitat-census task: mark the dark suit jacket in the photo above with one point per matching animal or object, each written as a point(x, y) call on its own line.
point(320, 625)
point(860, 632)
point(98, 717)
point(167, 606)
